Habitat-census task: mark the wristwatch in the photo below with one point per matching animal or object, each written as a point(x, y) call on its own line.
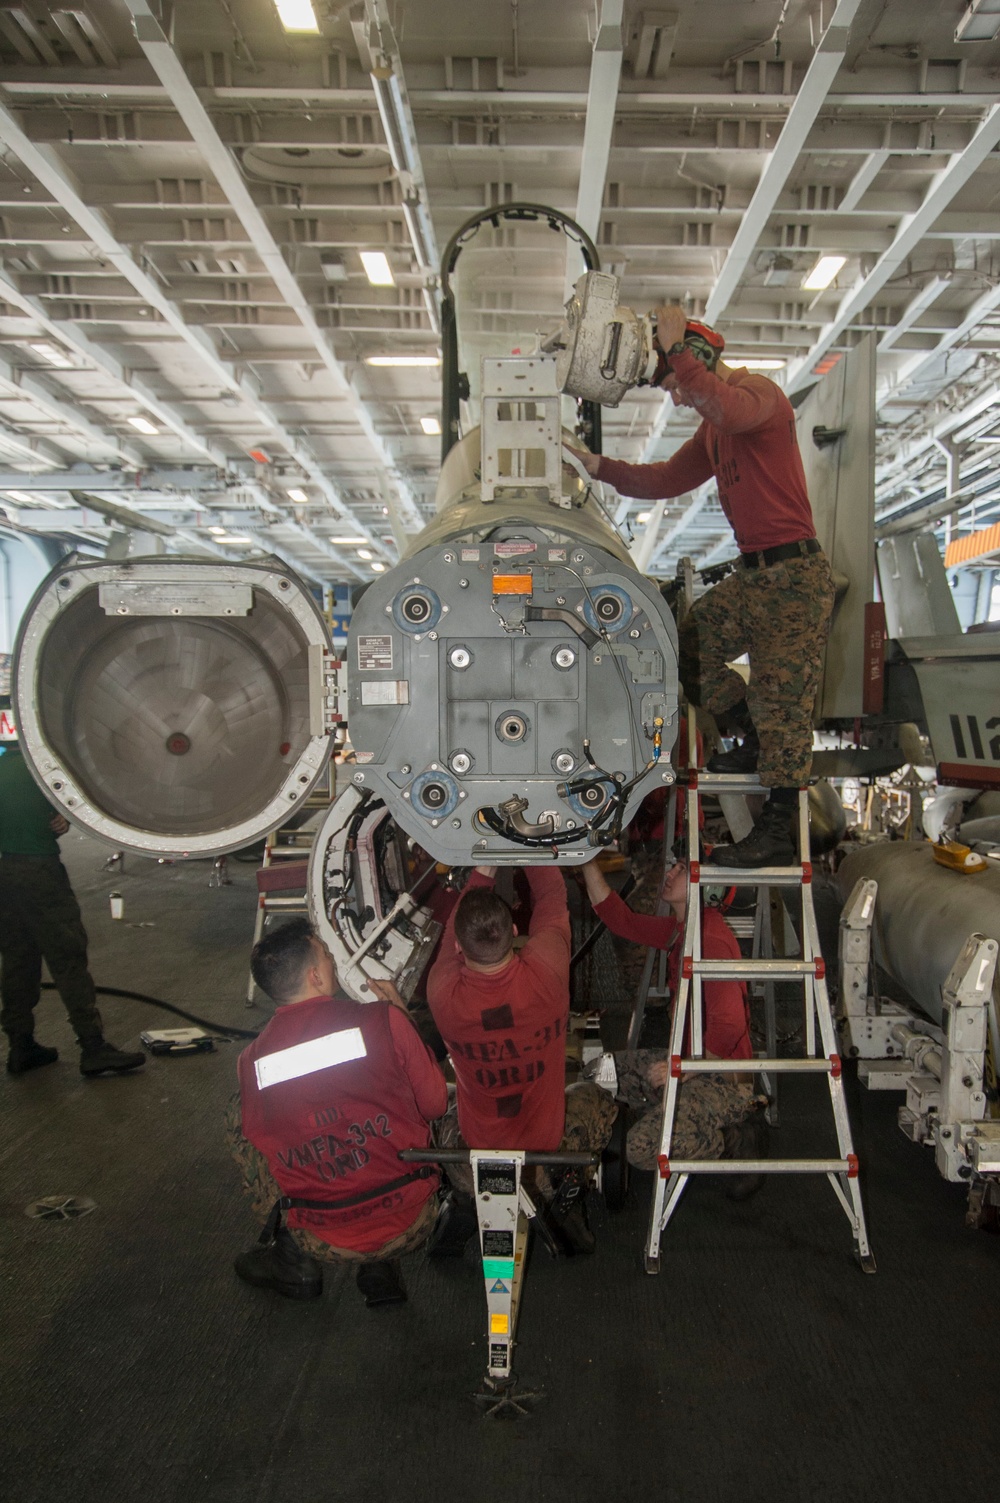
point(678, 348)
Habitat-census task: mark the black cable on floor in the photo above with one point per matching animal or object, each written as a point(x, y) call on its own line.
point(190, 1017)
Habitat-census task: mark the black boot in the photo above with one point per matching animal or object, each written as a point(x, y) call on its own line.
point(456, 1223)
point(568, 1215)
point(748, 1139)
point(381, 1284)
point(741, 759)
point(283, 1266)
point(768, 844)
point(98, 1057)
point(26, 1055)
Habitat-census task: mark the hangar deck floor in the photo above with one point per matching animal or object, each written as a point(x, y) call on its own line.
point(761, 1364)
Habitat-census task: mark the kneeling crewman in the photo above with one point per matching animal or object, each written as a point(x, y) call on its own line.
point(330, 1091)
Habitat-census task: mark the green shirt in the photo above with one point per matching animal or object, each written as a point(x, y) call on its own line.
point(25, 812)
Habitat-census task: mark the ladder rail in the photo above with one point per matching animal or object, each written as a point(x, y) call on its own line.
point(821, 1054)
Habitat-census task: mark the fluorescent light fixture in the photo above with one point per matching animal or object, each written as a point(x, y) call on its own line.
point(298, 495)
point(365, 553)
point(143, 425)
point(378, 568)
point(981, 22)
point(752, 363)
point(402, 360)
point(347, 542)
point(22, 497)
point(823, 273)
point(219, 532)
point(377, 268)
point(297, 15)
point(248, 542)
point(53, 354)
point(431, 426)
point(643, 518)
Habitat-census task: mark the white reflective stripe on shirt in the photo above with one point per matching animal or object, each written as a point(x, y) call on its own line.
point(305, 1059)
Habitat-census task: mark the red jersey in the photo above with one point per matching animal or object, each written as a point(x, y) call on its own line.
point(727, 1013)
point(747, 442)
point(333, 1127)
point(506, 1032)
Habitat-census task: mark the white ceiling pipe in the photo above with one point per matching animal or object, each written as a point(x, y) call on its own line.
point(809, 101)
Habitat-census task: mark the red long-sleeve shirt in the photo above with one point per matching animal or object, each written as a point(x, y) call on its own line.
point(747, 442)
point(727, 1019)
point(506, 1031)
point(335, 1132)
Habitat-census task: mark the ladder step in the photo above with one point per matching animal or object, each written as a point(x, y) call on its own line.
point(802, 1065)
point(757, 1166)
point(729, 782)
point(750, 876)
point(751, 970)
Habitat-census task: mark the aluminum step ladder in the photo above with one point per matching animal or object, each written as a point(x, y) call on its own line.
point(821, 1053)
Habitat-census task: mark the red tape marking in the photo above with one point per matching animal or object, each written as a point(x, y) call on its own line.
point(807, 873)
point(836, 1066)
point(663, 1164)
point(852, 1166)
point(820, 969)
point(675, 1066)
point(695, 871)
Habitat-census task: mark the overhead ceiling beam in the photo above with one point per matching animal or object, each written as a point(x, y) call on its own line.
point(70, 333)
point(909, 232)
point(809, 101)
point(27, 384)
point(983, 410)
point(724, 544)
point(699, 500)
point(400, 130)
point(913, 310)
point(862, 180)
point(923, 360)
point(35, 450)
point(44, 163)
point(643, 550)
point(602, 98)
point(221, 162)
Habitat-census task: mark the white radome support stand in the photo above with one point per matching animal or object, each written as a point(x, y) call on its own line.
point(504, 1209)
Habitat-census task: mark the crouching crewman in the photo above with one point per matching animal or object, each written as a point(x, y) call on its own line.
point(330, 1091)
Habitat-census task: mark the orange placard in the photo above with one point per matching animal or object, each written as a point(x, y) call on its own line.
point(513, 584)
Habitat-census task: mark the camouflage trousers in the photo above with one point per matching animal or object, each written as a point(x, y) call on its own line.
point(260, 1186)
point(780, 616)
point(590, 1116)
point(40, 920)
point(706, 1105)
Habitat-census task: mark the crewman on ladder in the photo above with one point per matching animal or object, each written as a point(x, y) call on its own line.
point(716, 1114)
point(776, 604)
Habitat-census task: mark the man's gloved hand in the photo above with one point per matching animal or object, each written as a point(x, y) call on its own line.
point(671, 323)
point(386, 991)
point(591, 462)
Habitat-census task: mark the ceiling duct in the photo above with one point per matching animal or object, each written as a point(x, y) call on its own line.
point(324, 166)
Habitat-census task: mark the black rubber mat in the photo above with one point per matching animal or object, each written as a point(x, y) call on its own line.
point(759, 1365)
